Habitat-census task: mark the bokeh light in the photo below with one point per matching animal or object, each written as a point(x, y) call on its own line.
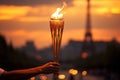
point(84, 55)
point(32, 78)
point(73, 71)
point(84, 73)
point(43, 77)
point(61, 76)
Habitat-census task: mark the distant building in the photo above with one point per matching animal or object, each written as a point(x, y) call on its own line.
point(69, 52)
point(29, 48)
point(73, 49)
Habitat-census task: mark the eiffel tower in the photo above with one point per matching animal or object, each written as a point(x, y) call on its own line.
point(88, 47)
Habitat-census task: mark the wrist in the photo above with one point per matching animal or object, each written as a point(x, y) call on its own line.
point(39, 71)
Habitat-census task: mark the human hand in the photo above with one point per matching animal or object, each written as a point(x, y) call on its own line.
point(51, 67)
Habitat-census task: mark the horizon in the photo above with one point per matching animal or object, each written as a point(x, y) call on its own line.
point(10, 42)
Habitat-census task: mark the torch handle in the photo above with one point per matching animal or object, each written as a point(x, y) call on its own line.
point(55, 75)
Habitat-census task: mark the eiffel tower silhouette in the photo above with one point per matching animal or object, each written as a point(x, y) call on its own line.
point(88, 47)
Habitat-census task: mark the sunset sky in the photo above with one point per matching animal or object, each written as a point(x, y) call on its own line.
point(23, 20)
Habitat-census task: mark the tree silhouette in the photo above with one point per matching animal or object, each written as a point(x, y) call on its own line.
point(11, 58)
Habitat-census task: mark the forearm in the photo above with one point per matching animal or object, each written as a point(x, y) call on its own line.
point(48, 68)
point(20, 74)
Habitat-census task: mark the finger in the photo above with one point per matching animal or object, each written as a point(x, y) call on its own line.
point(54, 67)
point(54, 63)
point(51, 65)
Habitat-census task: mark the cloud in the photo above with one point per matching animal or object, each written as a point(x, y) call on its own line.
point(24, 13)
point(33, 19)
point(11, 12)
point(33, 2)
point(106, 21)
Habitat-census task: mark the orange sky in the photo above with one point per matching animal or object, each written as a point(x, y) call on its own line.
point(20, 23)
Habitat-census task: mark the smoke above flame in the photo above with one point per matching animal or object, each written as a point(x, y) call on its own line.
point(58, 14)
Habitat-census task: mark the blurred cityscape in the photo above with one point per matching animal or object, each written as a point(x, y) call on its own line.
point(103, 65)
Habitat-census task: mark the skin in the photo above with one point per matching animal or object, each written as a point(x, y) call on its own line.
point(48, 68)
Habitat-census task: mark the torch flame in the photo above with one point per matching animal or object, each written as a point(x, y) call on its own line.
point(57, 14)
